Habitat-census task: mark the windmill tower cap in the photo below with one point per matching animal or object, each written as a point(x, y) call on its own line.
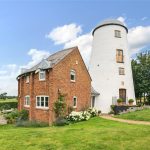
point(110, 22)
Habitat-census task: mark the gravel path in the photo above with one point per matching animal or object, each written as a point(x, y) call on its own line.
point(2, 120)
point(109, 117)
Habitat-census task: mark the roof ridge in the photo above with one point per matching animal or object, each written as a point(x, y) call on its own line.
point(62, 50)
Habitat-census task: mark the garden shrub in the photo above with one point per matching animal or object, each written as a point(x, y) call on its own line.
point(61, 121)
point(78, 116)
point(8, 105)
point(16, 116)
point(93, 112)
point(12, 116)
point(28, 123)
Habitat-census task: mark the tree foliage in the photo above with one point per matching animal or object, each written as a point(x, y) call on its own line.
point(3, 95)
point(141, 76)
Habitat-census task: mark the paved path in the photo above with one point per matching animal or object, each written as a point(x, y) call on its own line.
point(109, 117)
point(2, 120)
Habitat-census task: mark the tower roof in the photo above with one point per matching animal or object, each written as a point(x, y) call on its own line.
point(110, 22)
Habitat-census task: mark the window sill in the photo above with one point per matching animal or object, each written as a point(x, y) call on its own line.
point(42, 108)
point(27, 106)
point(41, 79)
point(72, 81)
point(74, 106)
point(117, 36)
point(120, 62)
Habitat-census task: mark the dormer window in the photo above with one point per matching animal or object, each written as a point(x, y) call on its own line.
point(27, 79)
point(42, 75)
point(117, 33)
point(72, 75)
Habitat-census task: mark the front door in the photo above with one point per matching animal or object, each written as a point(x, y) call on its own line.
point(93, 102)
point(122, 94)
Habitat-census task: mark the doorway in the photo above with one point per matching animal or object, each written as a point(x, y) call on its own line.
point(122, 94)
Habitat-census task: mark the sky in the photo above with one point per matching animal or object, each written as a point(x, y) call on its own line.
point(31, 30)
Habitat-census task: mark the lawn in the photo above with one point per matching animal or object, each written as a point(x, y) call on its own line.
point(8, 100)
point(95, 134)
point(142, 115)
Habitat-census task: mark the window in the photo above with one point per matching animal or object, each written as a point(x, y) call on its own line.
point(121, 71)
point(42, 101)
point(119, 56)
point(42, 75)
point(74, 101)
point(27, 79)
point(27, 101)
point(117, 33)
point(72, 75)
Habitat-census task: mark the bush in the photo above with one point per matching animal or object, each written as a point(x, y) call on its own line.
point(119, 100)
point(23, 115)
point(131, 101)
point(27, 123)
point(78, 116)
point(8, 105)
point(93, 112)
point(12, 117)
point(16, 116)
point(61, 121)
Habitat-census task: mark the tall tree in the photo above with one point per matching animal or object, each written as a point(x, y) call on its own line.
point(141, 76)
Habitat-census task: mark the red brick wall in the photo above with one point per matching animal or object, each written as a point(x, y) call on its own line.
point(57, 78)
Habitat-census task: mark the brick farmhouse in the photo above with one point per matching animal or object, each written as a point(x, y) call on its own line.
point(63, 72)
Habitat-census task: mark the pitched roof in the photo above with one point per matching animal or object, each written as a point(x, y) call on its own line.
point(51, 61)
point(94, 92)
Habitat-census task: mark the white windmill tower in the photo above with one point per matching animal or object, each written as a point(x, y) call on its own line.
point(110, 65)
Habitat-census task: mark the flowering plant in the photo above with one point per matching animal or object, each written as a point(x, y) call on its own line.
point(82, 115)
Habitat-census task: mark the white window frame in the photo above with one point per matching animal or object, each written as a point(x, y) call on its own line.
point(27, 101)
point(41, 72)
point(118, 33)
point(42, 107)
point(75, 106)
point(27, 79)
point(72, 72)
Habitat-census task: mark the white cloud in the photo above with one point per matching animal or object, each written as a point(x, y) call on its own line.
point(69, 35)
point(66, 33)
point(8, 73)
point(138, 38)
point(84, 43)
point(36, 56)
point(122, 19)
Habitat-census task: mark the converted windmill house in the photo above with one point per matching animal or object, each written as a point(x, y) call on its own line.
point(63, 72)
point(110, 66)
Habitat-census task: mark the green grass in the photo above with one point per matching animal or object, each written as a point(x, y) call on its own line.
point(141, 115)
point(95, 134)
point(8, 100)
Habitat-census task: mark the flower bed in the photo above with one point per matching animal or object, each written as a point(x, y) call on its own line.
point(82, 115)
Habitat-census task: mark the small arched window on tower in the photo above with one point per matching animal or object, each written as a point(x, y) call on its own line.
point(117, 33)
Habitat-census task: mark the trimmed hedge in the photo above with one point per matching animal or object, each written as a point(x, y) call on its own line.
point(8, 105)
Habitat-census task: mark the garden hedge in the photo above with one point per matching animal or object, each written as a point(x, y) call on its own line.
point(8, 105)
